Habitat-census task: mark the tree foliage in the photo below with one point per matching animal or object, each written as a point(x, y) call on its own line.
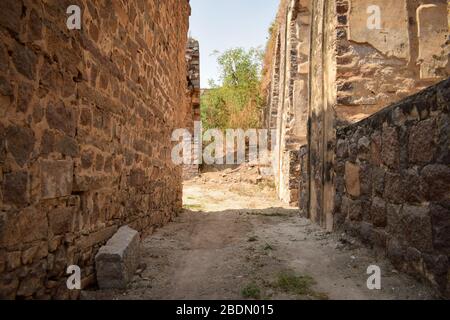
point(234, 102)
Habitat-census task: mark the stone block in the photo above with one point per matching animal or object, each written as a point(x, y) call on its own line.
point(117, 261)
point(30, 285)
point(20, 142)
point(28, 225)
point(413, 187)
point(393, 189)
point(8, 287)
point(365, 180)
point(352, 209)
point(366, 231)
point(440, 217)
point(61, 117)
point(342, 149)
point(352, 179)
point(363, 148)
point(416, 226)
point(378, 213)
point(56, 178)
point(393, 217)
point(378, 175)
point(25, 60)
point(61, 220)
point(395, 252)
point(15, 188)
point(68, 146)
point(10, 12)
point(437, 178)
point(13, 260)
point(380, 237)
point(422, 146)
point(137, 178)
point(5, 87)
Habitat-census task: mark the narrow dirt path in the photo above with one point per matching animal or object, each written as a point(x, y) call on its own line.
point(236, 240)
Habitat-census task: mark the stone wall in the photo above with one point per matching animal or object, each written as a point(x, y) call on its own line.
point(85, 132)
point(393, 183)
point(330, 69)
point(193, 94)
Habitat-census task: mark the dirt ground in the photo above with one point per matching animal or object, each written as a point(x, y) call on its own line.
point(235, 240)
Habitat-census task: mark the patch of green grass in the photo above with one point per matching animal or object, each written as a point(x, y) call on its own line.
point(268, 247)
point(251, 291)
point(300, 285)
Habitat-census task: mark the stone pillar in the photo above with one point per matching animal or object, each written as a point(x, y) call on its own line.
point(193, 93)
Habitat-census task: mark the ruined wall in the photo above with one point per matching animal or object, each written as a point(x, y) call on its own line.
point(193, 96)
point(392, 182)
point(287, 108)
point(331, 68)
point(85, 127)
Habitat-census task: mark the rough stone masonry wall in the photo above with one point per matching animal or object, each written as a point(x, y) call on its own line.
point(393, 183)
point(86, 118)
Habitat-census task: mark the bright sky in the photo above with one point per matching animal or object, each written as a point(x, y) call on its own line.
point(224, 24)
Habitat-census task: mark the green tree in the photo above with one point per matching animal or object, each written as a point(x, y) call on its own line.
point(234, 102)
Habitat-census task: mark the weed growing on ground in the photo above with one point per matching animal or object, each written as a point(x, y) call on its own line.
point(251, 291)
point(300, 285)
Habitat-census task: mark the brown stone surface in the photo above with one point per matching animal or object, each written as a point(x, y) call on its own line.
point(56, 178)
point(85, 132)
point(117, 261)
point(422, 145)
point(15, 188)
point(20, 143)
point(378, 213)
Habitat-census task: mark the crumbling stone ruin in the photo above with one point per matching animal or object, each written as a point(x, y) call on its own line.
point(193, 78)
point(349, 161)
point(85, 133)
